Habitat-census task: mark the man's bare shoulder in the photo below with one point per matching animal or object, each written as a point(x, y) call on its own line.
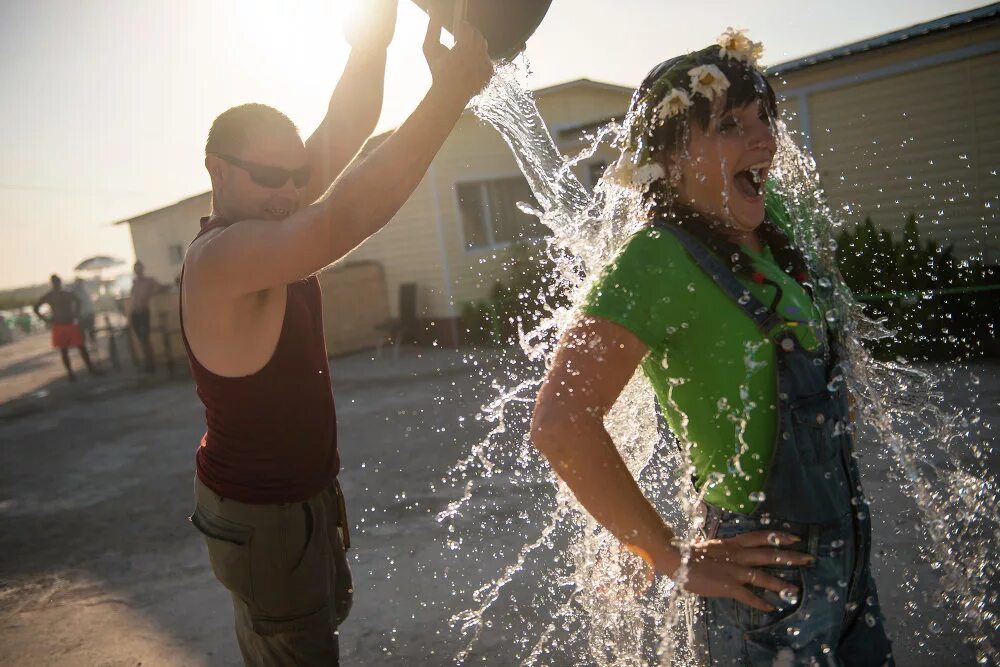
point(196, 250)
point(206, 286)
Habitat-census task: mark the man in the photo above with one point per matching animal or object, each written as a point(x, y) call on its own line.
point(267, 500)
point(144, 289)
point(64, 309)
point(86, 315)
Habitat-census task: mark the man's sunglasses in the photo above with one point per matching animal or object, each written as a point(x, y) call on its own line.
point(268, 176)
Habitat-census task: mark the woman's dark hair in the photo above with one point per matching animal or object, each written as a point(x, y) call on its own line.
point(746, 85)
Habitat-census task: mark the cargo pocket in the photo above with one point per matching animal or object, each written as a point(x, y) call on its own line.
point(290, 578)
point(228, 549)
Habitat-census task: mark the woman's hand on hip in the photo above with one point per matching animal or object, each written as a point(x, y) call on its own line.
point(724, 568)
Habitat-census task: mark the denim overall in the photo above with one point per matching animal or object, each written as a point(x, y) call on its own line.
point(813, 490)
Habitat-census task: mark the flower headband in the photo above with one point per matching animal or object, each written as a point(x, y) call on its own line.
point(671, 87)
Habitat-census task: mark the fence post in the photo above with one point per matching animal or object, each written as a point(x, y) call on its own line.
point(112, 347)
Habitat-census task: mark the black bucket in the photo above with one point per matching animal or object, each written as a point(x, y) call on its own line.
point(506, 24)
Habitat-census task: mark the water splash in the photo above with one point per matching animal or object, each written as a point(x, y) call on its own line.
point(580, 593)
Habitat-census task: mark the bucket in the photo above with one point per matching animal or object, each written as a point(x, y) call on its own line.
point(506, 24)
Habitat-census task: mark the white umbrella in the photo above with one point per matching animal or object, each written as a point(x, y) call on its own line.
point(98, 263)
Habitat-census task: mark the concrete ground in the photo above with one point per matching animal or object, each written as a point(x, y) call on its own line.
point(99, 566)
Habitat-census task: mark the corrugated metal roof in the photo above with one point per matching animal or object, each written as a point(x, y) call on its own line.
point(889, 38)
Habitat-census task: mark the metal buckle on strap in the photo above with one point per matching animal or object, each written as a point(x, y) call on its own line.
point(713, 517)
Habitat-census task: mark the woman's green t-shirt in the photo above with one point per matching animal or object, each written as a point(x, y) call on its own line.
point(713, 373)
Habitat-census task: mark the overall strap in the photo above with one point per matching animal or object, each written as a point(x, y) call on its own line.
point(765, 318)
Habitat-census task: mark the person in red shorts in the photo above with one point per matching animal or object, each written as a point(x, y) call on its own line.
point(64, 311)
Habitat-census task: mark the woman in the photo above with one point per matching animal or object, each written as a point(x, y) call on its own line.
point(716, 304)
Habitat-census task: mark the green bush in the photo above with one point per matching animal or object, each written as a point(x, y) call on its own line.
point(923, 291)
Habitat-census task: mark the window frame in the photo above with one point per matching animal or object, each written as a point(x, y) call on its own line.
point(492, 244)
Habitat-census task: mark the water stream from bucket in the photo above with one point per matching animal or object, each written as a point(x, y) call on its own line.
point(569, 594)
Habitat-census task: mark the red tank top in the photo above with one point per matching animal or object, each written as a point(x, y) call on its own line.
point(272, 436)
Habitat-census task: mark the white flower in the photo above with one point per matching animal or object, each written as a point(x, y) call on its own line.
point(736, 45)
point(627, 174)
point(676, 102)
point(646, 174)
point(708, 80)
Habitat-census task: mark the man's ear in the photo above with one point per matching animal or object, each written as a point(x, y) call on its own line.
point(215, 171)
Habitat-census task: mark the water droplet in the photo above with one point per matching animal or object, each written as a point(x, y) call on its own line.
point(773, 540)
point(870, 620)
point(793, 631)
point(790, 596)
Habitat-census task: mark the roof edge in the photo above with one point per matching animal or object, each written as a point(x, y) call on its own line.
point(149, 214)
point(579, 83)
point(887, 39)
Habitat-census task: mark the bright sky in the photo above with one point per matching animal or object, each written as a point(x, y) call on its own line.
point(107, 102)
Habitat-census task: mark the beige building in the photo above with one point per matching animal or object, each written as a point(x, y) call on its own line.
point(908, 123)
point(904, 123)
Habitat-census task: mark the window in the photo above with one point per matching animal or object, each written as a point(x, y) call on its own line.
point(490, 215)
point(177, 254)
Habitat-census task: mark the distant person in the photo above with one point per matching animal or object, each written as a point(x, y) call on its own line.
point(6, 329)
point(23, 321)
point(144, 289)
point(64, 309)
point(267, 497)
point(87, 315)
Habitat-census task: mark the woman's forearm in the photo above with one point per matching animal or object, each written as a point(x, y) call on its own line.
point(583, 454)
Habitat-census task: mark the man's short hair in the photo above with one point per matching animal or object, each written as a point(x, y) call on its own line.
point(230, 129)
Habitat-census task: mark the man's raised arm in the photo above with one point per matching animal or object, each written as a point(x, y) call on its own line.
point(356, 103)
point(255, 255)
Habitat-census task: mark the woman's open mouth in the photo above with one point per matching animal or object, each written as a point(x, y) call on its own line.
point(750, 181)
